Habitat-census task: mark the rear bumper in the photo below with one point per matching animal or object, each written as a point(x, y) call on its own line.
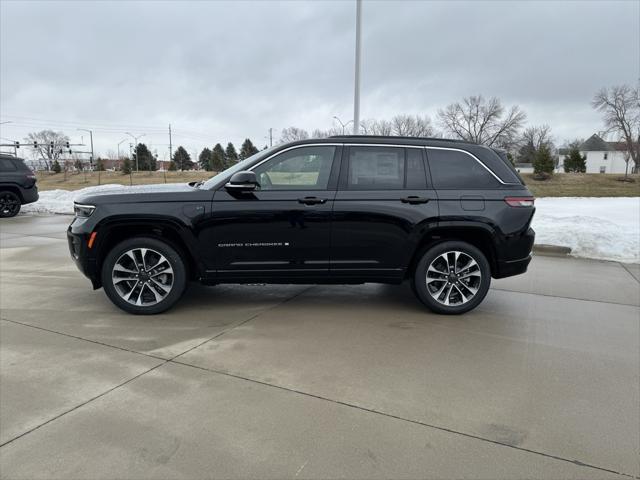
point(518, 255)
point(29, 195)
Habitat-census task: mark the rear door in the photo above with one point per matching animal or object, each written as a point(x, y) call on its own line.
point(383, 206)
point(282, 230)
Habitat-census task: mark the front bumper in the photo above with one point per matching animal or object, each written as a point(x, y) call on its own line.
point(82, 256)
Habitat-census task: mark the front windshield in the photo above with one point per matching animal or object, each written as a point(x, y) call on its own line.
point(238, 167)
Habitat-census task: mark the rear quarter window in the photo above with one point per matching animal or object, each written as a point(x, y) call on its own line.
point(452, 169)
point(7, 165)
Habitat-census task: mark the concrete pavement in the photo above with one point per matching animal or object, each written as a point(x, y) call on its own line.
point(541, 381)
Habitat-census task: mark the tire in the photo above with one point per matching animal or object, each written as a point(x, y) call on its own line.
point(9, 204)
point(458, 291)
point(152, 284)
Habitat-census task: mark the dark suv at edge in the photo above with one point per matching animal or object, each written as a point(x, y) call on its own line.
point(445, 214)
point(17, 185)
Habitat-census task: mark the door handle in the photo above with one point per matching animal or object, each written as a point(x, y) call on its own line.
point(312, 200)
point(413, 200)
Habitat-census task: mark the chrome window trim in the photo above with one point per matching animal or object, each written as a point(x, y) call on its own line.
point(476, 159)
point(384, 145)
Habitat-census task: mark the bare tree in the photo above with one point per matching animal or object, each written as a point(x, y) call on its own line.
point(411, 126)
point(532, 140)
point(333, 131)
point(482, 121)
point(620, 106)
point(376, 127)
point(43, 149)
point(292, 134)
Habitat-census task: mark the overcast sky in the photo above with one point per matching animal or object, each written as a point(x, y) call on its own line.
point(222, 71)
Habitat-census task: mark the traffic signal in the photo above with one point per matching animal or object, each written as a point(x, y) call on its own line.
point(35, 144)
point(66, 145)
point(17, 144)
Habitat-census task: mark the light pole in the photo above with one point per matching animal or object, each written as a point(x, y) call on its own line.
point(356, 91)
point(119, 143)
point(343, 125)
point(135, 139)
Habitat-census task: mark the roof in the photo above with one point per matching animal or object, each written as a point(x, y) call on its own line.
point(595, 144)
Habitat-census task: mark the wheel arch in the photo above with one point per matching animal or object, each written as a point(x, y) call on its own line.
point(13, 188)
point(111, 233)
point(480, 236)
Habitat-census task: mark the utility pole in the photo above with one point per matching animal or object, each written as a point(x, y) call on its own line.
point(271, 137)
point(356, 92)
point(170, 146)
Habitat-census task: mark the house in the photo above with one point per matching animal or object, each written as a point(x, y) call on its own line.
point(602, 156)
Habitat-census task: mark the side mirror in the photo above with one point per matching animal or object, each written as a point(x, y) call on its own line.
point(244, 181)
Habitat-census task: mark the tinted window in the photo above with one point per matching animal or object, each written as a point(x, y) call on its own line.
point(7, 165)
point(457, 170)
point(376, 168)
point(305, 168)
point(416, 178)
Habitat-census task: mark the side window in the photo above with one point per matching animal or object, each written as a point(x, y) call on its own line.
point(376, 168)
point(305, 168)
point(416, 177)
point(7, 165)
point(456, 170)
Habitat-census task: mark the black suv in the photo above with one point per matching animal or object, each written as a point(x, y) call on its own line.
point(445, 214)
point(17, 185)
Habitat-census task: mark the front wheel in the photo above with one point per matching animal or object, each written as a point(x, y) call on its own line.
point(452, 277)
point(144, 275)
point(9, 204)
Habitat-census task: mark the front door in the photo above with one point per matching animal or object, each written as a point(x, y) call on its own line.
point(283, 229)
point(383, 208)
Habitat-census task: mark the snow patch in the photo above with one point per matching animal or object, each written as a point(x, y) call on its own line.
point(601, 228)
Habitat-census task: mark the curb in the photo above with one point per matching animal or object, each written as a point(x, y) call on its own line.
point(551, 250)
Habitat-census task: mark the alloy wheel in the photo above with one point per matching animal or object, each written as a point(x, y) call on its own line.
point(453, 278)
point(9, 204)
point(142, 276)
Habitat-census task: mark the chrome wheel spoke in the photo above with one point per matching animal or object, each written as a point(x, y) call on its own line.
point(450, 284)
point(142, 277)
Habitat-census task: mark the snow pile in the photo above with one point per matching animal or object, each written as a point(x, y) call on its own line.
point(602, 228)
point(61, 201)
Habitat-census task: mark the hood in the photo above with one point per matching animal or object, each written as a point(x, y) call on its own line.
point(135, 194)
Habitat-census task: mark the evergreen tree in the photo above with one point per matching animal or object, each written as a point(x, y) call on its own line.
point(230, 155)
point(247, 149)
point(143, 159)
point(126, 166)
point(172, 166)
point(217, 158)
point(100, 165)
point(204, 159)
point(56, 167)
point(182, 159)
point(543, 164)
point(574, 162)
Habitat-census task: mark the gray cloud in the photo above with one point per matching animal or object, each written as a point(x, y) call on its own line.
point(220, 71)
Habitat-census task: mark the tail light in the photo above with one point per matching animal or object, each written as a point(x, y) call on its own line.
point(520, 201)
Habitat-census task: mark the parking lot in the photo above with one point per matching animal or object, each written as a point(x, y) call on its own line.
point(542, 380)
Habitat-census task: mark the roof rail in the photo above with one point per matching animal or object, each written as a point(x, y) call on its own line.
point(391, 137)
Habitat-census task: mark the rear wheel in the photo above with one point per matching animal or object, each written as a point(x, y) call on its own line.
point(9, 204)
point(452, 277)
point(144, 275)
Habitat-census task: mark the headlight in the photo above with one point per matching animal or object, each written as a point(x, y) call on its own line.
point(83, 210)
